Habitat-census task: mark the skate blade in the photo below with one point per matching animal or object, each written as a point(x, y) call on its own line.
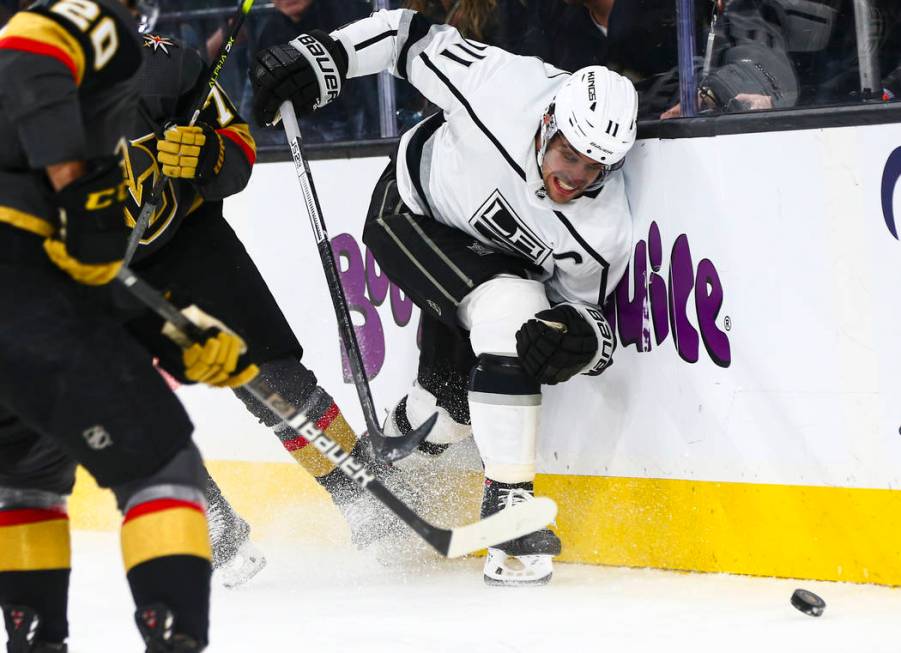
point(239, 572)
point(502, 570)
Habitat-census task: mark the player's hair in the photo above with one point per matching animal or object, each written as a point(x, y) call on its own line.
point(473, 18)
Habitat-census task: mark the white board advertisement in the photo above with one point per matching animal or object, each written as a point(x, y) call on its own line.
point(758, 320)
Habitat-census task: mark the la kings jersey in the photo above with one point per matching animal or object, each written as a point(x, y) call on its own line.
point(478, 170)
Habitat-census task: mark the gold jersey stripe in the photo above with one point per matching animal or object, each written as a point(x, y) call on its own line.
point(239, 134)
point(25, 221)
point(43, 30)
point(242, 129)
point(37, 546)
point(175, 531)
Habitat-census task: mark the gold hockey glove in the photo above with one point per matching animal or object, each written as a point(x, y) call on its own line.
point(195, 153)
point(219, 360)
point(90, 233)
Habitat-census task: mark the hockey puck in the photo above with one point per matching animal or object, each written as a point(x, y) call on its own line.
point(808, 602)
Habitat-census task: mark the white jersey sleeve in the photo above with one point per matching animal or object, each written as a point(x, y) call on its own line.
point(436, 59)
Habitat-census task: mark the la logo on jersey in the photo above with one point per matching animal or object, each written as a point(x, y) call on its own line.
point(890, 176)
point(496, 221)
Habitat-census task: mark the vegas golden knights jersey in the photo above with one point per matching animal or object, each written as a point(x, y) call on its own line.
point(170, 81)
point(66, 94)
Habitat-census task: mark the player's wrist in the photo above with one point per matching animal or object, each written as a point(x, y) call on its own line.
point(90, 235)
point(64, 173)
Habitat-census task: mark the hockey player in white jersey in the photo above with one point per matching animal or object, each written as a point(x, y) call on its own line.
point(505, 220)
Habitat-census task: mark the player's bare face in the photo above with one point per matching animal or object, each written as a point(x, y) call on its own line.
point(566, 172)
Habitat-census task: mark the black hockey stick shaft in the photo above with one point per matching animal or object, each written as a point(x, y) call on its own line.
point(295, 419)
point(339, 301)
point(153, 202)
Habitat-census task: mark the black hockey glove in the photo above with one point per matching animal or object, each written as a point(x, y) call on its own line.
point(91, 234)
point(556, 345)
point(310, 71)
point(750, 78)
point(196, 153)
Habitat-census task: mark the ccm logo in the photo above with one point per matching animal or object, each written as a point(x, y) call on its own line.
point(329, 78)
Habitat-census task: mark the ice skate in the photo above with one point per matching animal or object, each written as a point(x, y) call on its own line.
point(368, 519)
point(235, 557)
point(246, 563)
point(527, 560)
point(23, 631)
point(414, 409)
point(155, 624)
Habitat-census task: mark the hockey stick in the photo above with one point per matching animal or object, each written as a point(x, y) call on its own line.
point(156, 192)
point(508, 524)
point(400, 446)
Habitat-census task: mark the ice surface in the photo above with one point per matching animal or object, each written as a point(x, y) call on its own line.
point(316, 599)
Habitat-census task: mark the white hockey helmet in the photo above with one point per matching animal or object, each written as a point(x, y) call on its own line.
point(596, 110)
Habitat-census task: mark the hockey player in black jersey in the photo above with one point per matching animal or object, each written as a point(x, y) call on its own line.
point(190, 251)
point(75, 385)
point(503, 217)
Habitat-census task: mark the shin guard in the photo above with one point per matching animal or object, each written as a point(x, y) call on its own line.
point(166, 552)
point(505, 407)
point(298, 385)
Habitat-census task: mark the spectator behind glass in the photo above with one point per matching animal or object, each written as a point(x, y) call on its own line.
point(474, 19)
point(785, 53)
point(354, 115)
point(750, 69)
point(634, 37)
point(822, 44)
point(637, 38)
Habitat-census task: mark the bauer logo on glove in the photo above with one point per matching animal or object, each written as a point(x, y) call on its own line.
point(191, 152)
point(563, 341)
point(310, 71)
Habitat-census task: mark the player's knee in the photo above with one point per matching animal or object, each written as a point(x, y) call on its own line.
point(290, 378)
point(505, 402)
point(165, 518)
point(494, 312)
point(39, 520)
point(183, 478)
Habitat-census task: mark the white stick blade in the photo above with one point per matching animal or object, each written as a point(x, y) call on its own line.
point(508, 524)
